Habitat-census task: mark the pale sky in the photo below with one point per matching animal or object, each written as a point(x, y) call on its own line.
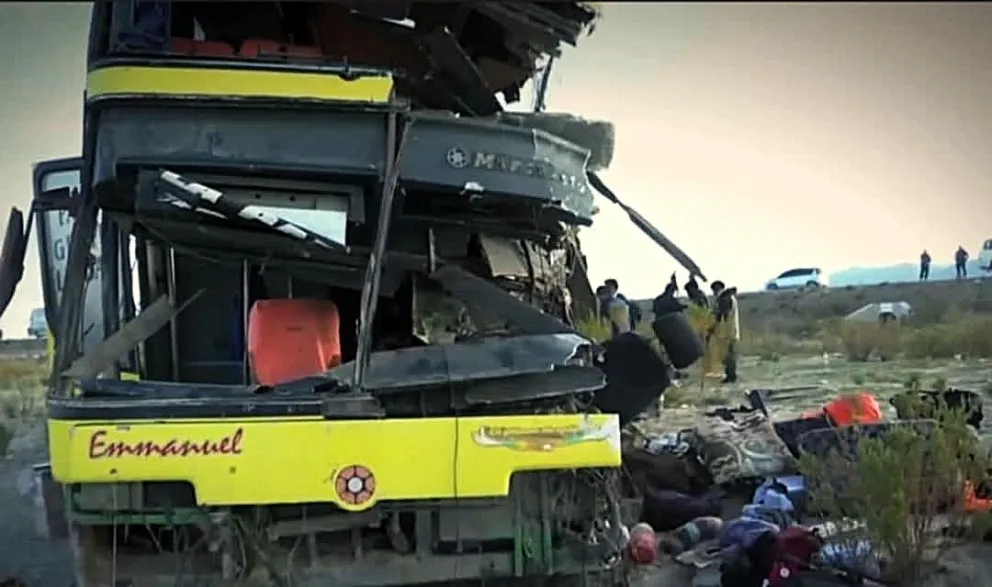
point(757, 136)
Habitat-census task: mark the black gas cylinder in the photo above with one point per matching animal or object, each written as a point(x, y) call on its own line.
point(681, 343)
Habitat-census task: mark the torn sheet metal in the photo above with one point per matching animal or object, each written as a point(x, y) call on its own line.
point(484, 297)
point(534, 386)
point(647, 228)
point(530, 166)
point(506, 257)
point(445, 364)
point(439, 318)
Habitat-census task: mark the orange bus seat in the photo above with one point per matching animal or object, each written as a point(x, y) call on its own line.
point(857, 408)
point(185, 46)
point(290, 339)
point(270, 48)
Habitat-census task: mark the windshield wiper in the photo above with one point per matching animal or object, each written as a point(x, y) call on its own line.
point(189, 195)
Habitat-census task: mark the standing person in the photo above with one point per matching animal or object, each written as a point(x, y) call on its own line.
point(672, 288)
point(925, 266)
point(696, 295)
point(633, 310)
point(961, 263)
point(613, 310)
point(664, 305)
point(728, 317)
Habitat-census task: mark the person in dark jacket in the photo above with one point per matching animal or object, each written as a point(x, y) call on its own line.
point(696, 295)
point(728, 317)
point(961, 263)
point(672, 288)
point(925, 266)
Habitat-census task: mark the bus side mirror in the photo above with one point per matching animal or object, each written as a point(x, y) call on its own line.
point(15, 242)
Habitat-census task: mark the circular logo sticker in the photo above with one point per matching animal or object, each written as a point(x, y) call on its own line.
point(457, 158)
point(355, 485)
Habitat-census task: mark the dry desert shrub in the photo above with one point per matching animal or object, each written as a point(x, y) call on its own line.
point(21, 390)
point(770, 346)
point(903, 489)
point(14, 372)
point(859, 340)
point(594, 328)
point(967, 336)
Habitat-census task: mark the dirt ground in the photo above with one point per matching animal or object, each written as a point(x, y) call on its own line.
point(795, 384)
point(23, 553)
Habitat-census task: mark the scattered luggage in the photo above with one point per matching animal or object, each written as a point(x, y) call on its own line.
point(746, 448)
point(689, 477)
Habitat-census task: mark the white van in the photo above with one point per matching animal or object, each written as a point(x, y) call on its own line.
point(810, 277)
point(37, 324)
point(985, 256)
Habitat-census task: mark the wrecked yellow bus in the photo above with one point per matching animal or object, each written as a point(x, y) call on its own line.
point(313, 295)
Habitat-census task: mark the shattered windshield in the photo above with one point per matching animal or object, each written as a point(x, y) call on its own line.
point(321, 221)
point(331, 224)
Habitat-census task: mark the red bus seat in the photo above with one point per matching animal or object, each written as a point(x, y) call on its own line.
point(270, 48)
point(185, 46)
point(857, 408)
point(973, 503)
point(290, 339)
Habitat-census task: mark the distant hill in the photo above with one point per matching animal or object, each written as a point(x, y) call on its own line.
point(902, 273)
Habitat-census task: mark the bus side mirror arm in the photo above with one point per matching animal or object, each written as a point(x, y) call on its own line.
point(12, 255)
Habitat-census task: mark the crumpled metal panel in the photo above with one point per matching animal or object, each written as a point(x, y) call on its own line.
point(484, 297)
point(440, 318)
point(477, 158)
point(505, 256)
point(466, 361)
point(482, 158)
point(561, 381)
point(242, 136)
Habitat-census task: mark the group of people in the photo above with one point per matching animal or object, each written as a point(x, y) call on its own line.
point(615, 309)
point(960, 264)
point(623, 315)
point(725, 312)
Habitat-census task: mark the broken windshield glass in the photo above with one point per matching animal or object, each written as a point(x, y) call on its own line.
point(324, 227)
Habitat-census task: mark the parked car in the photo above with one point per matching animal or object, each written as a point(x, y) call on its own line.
point(797, 278)
point(985, 256)
point(37, 324)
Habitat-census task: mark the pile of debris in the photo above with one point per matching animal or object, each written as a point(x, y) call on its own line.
point(725, 498)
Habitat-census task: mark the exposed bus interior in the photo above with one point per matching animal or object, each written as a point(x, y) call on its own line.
point(230, 277)
point(469, 49)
